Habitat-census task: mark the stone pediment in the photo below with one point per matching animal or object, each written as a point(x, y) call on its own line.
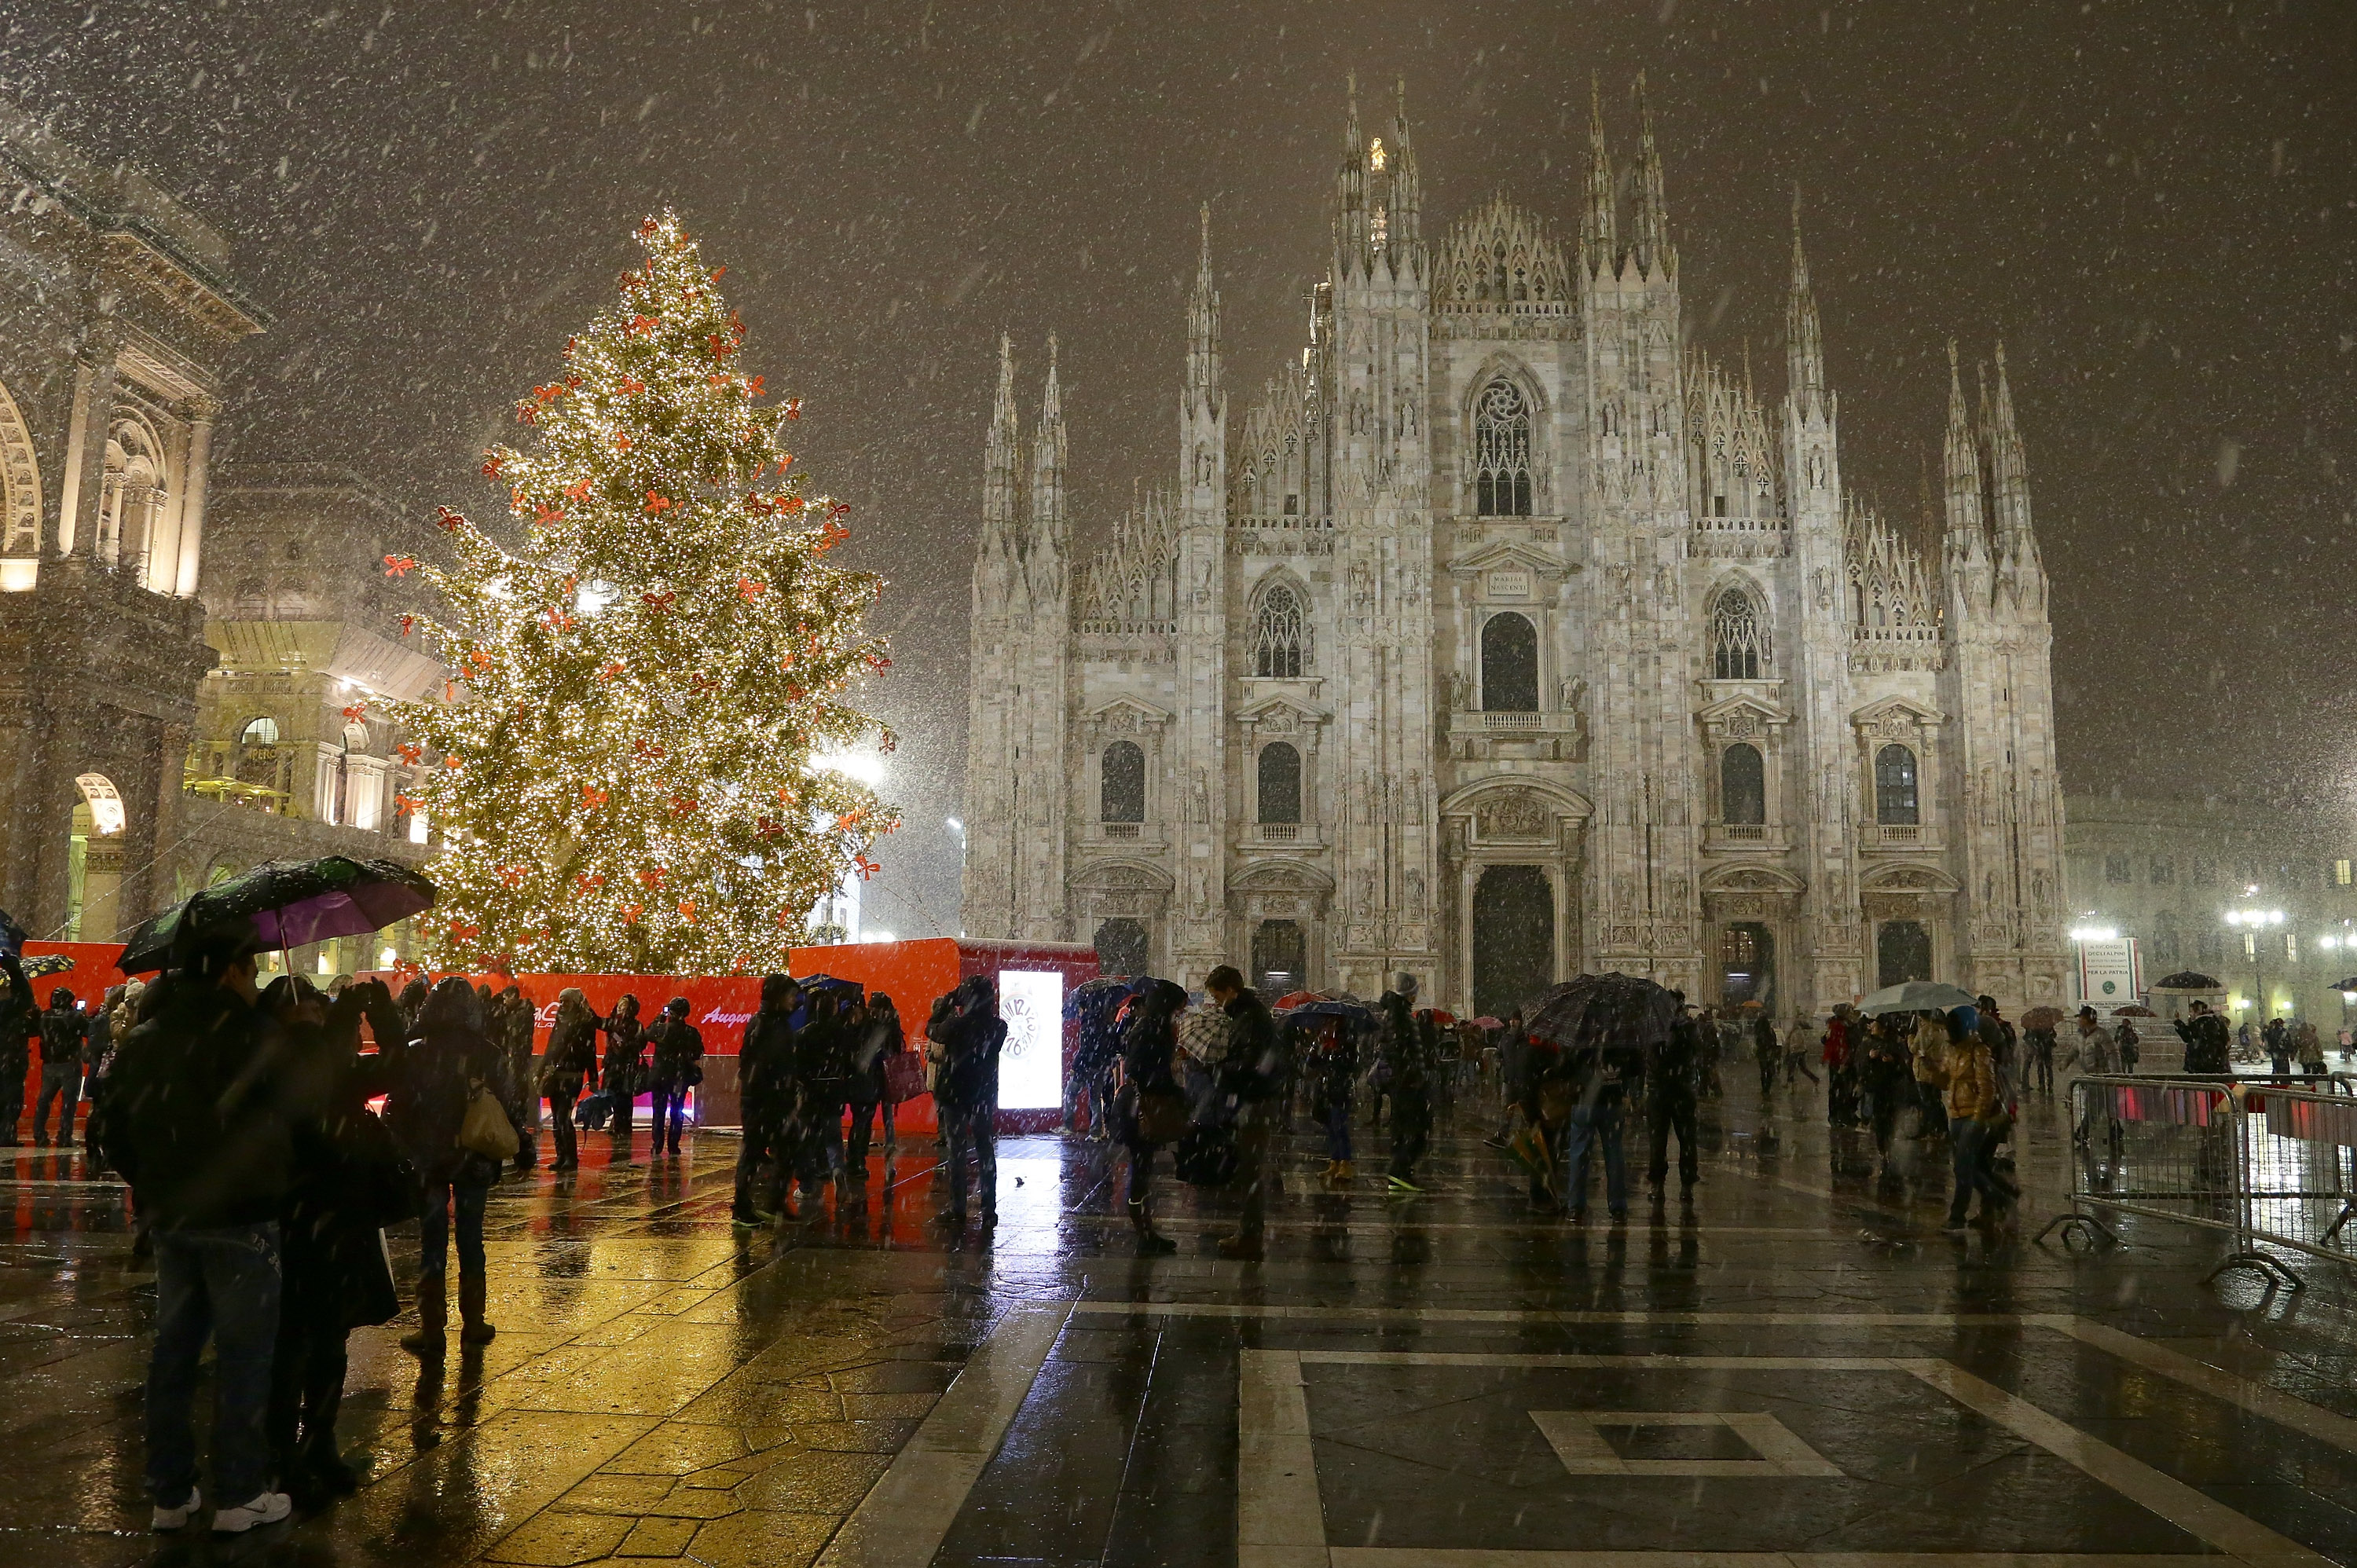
point(1912, 877)
point(1125, 716)
point(1743, 706)
point(1511, 555)
point(1904, 711)
point(1280, 874)
point(1280, 713)
point(1751, 879)
point(1123, 875)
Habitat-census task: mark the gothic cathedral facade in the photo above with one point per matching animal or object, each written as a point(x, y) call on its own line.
point(1505, 635)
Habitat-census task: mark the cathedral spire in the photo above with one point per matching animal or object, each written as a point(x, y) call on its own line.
point(1967, 538)
point(1203, 324)
point(1804, 349)
point(1048, 518)
point(998, 452)
point(1406, 188)
point(1598, 243)
point(1654, 253)
point(2009, 479)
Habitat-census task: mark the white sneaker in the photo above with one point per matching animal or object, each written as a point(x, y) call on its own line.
point(174, 1518)
point(266, 1508)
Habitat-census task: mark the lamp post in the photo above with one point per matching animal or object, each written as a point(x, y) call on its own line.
point(2252, 922)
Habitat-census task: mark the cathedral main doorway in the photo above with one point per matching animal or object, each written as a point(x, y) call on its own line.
point(1280, 959)
point(1513, 938)
point(1902, 952)
point(1121, 948)
point(1747, 965)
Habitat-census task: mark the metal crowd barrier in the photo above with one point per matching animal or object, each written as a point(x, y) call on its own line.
point(2265, 1160)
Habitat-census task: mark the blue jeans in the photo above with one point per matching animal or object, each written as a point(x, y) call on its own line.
point(666, 1099)
point(219, 1283)
point(972, 1129)
point(1585, 1128)
point(1338, 1129)
point(434, 1228)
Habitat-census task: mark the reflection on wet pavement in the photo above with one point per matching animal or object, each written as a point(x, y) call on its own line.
point(1801, 1364)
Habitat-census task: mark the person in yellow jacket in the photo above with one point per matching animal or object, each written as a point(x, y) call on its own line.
point(1975, 1110)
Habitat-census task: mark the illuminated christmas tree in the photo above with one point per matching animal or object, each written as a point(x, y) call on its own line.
point(626, 774)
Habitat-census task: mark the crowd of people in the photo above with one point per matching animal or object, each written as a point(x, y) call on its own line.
point(263, 1180)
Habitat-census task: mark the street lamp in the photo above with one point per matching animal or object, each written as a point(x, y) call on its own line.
point(2252, 922)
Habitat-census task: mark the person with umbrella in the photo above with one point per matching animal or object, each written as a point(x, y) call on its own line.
point(2205, 1034)
point(198, 1132)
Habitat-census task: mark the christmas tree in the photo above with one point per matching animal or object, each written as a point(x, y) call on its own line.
point(625, 772)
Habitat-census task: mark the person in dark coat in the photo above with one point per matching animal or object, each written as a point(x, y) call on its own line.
point(20, 1025)
point(195, 1125)
point(65, 1041)
point(451, 1056)
point(570, 1067)
point(819, 1053)
point(1331, 1064)
point(1148, 1038)
point(968, 1033)
point(623, 1071)
point(346, 1183)
point(678, 1066)
point(1252, 1077)
point(877, 1039)
point(765, 1079)
point(1769, 1052)
point(2206, 1047)
point(1407, 1056)
point(1673, 1089)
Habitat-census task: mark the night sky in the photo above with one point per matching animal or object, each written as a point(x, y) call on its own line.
point(2152, 201)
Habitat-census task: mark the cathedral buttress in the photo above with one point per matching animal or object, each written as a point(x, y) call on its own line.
point(1200, 750)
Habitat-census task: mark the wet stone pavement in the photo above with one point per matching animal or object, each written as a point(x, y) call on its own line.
point(1798, 1370)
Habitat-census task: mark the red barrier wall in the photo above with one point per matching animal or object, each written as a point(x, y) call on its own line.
point(912, 972)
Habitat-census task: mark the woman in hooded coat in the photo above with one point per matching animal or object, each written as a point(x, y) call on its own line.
point(347, 1182)
point(572, 1065)
point(1147, 1040)
point(451, 1057)
point(623, 1070)
point(880, 1039)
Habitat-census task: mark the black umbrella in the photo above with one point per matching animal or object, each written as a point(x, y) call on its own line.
point(2190, 980)
point(2348, 984)
point(1615, 1011)
point(290, 903)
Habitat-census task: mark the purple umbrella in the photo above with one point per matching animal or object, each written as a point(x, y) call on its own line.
point(290, 903)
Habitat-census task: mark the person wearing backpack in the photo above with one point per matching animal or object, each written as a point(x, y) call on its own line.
point(195, 1125)
point(967, 1033)
point(764, 1078)
point(452, 1059)
point(570, 1067)
point(1406, 1053)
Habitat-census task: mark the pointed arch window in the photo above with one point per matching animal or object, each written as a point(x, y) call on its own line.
point(1278, 642)
point(1737, 650)
point(1502, 451)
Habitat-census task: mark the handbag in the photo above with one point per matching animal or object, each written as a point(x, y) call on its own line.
point(1161, 1116)
point(380, 1186)
point(595, 1111)
point(904, 1077)
point(486, 1130)
point(1206, 1156)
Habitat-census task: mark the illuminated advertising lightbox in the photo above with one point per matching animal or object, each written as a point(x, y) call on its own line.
point(1031, 1065)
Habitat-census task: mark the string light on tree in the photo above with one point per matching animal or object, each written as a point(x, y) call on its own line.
point(642, 691)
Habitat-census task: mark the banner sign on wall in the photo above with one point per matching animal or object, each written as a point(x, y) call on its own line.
point(1031, 1065)
point(2110, 973)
